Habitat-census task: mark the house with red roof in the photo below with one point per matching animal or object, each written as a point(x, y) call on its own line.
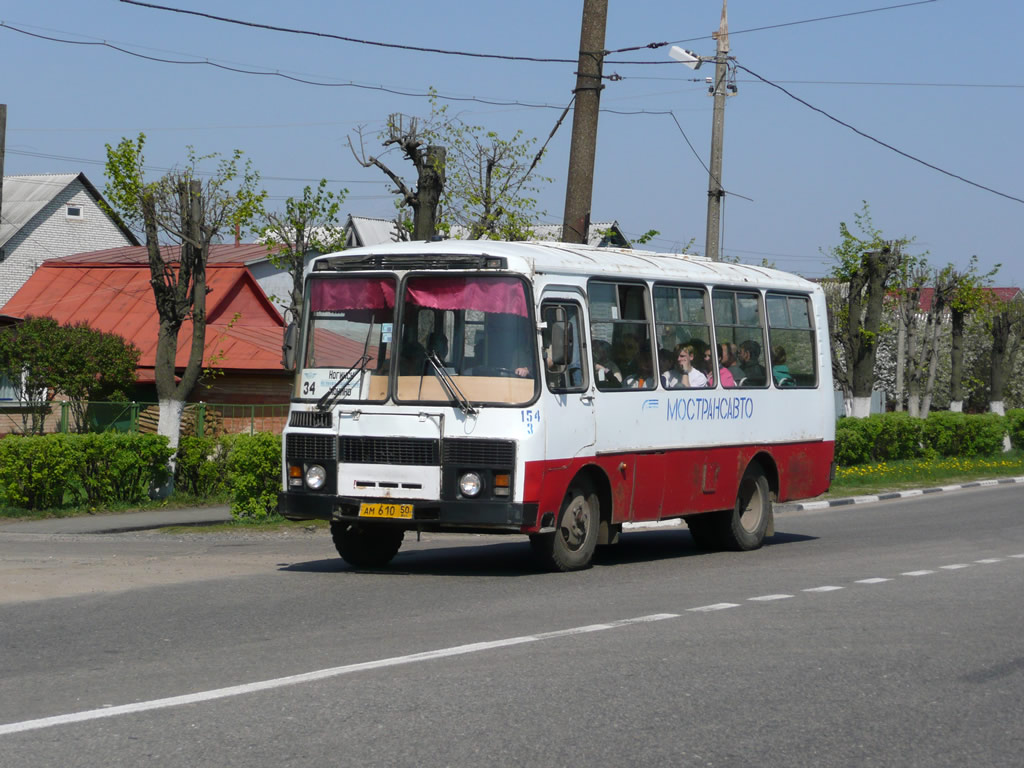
point(998, 294)
point(110, 291)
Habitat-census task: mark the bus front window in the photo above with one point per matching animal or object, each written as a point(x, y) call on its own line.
point(477, 329)
point(348, 338)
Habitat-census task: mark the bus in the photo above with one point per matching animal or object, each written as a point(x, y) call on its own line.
point(553, 391)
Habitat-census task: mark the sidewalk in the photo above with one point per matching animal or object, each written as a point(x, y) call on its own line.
point(161, 518)
point(129, 521)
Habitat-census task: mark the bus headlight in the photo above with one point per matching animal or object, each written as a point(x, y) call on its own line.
point(316, 476)
point(470, 484)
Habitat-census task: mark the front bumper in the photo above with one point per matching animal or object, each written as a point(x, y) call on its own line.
point(428, 515)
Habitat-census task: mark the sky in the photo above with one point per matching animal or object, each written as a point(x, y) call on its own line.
point(939, 81)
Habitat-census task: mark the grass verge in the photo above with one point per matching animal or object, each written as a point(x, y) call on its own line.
point(869, 479)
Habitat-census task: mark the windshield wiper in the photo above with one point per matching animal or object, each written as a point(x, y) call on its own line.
point(450, 387)
point(330, 397)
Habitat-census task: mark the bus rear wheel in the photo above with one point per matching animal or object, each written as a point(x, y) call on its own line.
point(571, 546)
point(745, 525)
point(366, 546)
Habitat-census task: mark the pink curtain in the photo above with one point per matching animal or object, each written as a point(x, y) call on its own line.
point(486, 294)
point(331, 295)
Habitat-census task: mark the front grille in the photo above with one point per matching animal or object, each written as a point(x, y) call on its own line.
point(310, 447)
point(310, 419)
point(500, 454)
point(389, 450)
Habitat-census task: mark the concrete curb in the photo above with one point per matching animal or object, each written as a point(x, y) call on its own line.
point(851, 500)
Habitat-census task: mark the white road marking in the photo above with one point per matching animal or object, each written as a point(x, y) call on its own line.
point(916, 573)
point(714, 607)
point(766, 598)
point(955, 566)
point(309, 677)
point(1020, 555)
point(816, 505)
point(988, 560)
point(827, 588)
point(876, 580)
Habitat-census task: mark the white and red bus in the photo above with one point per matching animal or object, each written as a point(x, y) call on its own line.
point(555, 391)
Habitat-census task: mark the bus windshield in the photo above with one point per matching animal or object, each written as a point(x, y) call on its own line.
point(348, 338)
point(478, 332)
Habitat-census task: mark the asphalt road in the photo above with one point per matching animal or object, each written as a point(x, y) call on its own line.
point(889, 634)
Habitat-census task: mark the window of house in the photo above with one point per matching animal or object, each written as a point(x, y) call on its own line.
point(75, 211)
point(791, 341)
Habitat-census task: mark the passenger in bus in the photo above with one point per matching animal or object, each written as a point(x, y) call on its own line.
point(724, 374)
point(780, 371)
point(753, 372)
point(627, 353)
point(606, 371)
point(733, 365)
point(665, 364)
point(684, 374)
point(644, 376)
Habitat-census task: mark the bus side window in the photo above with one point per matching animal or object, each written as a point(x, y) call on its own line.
point(572, 375)
point(738, 322)
point(791, 341)
point(621, 334)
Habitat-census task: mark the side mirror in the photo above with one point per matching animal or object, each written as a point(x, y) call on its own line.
point(288, 347)
point(561, 344)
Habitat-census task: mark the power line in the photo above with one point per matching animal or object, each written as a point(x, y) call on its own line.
point(795, 23)
point(498, 56)
point(879, 141)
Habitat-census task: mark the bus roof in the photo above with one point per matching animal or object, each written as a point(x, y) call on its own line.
point(553, 258)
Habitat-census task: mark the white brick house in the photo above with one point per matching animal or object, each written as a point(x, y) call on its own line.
point(48, 216)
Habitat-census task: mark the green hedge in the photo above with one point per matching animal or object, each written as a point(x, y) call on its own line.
point(1015, 427)
point(202, 465)
point(893, 436)
point(254, 470)
point(51, 471)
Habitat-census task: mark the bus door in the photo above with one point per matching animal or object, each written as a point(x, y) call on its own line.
point(568, 402)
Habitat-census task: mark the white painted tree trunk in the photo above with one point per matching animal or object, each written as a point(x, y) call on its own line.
point(956, 406)
point(169, 425)
point(861, 407)
point(997, 406)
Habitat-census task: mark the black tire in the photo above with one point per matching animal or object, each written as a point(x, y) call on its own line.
point(571, 546)
point(366, 546)
point(744, 526)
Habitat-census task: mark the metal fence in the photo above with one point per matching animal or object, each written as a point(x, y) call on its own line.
point(204, 419)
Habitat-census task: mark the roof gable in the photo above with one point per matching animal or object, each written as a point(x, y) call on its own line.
point(26, 196)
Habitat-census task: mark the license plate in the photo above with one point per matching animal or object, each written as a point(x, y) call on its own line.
point(391, 511)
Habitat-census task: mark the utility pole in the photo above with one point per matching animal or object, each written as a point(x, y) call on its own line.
point(715, 191)
point(579, 186)
point(3, 140)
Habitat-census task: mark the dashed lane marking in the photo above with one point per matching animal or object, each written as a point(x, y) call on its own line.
point(916, 573)
point(876, 580)
point(713, 607)
point(767, 598)
point(826, 588)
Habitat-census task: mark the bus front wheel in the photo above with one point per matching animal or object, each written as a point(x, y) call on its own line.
point(571, 546)
point(366, 546)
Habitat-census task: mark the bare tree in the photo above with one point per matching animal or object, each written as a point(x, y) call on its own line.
point(427, 159)
point(866, 265)
point(1007, 328)
point(188, 213)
